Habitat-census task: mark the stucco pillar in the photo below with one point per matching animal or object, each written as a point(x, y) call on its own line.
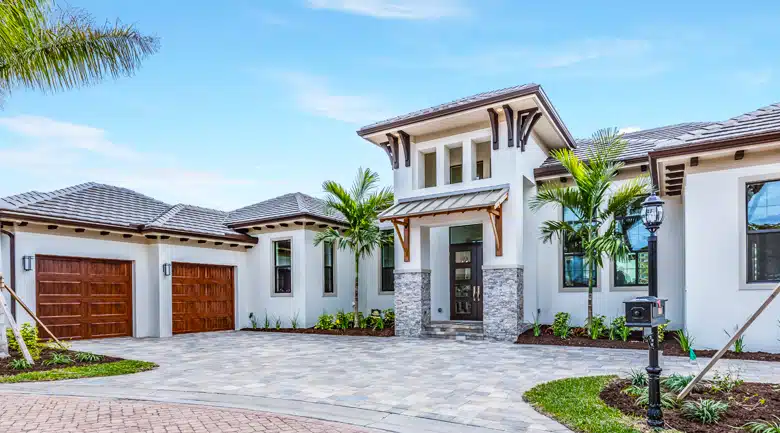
point(502, 302)
point(412, 302)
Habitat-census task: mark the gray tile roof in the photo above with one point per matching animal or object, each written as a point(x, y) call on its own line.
point(121, 207)
point(639, 143)
point(453, 104)
point(281, 207)
point(762, 121)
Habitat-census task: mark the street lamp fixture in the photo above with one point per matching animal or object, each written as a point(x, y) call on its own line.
point(652, 217)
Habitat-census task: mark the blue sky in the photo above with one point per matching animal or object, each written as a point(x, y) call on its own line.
point(247, 100)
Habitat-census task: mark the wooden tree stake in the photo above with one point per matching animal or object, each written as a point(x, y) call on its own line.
point(27, 309)
point(734, 338)
point(15, 328)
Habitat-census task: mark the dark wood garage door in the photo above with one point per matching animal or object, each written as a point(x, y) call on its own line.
point(202, 298)
point(80, 298)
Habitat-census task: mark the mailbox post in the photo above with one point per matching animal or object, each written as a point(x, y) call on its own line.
point(650, 311)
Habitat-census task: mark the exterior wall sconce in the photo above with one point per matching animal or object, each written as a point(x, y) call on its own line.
point(167, 269)
point(27, 263)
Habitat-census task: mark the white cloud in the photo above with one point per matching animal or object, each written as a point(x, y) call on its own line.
point(314, 95)
point(629, 129)
point(395, 9)
point(48, 154)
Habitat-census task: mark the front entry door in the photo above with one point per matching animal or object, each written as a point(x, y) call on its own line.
point(466, 282)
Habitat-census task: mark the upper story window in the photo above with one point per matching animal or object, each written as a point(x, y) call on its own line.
point(283, 266)
point(763, 231)
point(574, 269)
point(633, 270)
point(387, 261)
point(327, 260)
point(481, 158)
point(455, 157)
point(429, 169)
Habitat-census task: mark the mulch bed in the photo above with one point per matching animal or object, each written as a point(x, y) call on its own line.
point(674, 350)
point(579, 339)
point(744, 406)
point(360, 332)
point(46, 353)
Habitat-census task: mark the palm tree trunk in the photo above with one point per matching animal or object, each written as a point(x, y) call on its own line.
point(356, 309)
point(590, 292)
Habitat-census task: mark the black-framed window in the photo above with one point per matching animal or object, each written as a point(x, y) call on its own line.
point(456, 173)
point(633, 270)
point(763, 231)
point(574, 269)
point(387, 260)
point(327, 259)
point(481, 170)
point(283, 266)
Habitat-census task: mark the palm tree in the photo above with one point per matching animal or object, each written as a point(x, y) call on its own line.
point(596, 204)
point(46, 49)
point(360, 207)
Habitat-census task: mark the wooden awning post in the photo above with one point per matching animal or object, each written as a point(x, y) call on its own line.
point(403, 237)
point(496, 218)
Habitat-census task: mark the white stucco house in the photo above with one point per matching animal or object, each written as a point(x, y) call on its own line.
point(468, 247)
point(96, 260)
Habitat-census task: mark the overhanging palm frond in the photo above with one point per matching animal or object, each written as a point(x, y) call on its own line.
point(561, 230)
point(627, 197)
point(365, 182)
point(66, 53)
point(567, 197)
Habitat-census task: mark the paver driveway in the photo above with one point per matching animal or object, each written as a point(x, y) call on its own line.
point(376, 382)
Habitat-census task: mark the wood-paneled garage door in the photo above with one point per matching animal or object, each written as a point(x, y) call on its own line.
point(79, 298)
point(202, 298)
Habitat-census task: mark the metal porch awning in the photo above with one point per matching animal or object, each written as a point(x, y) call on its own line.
point(490, 199)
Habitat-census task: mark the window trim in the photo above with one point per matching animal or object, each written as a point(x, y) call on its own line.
point(332, 269)
point(745, 232)
point(274, 293)
point(562, 288)
point(741, 190)
point(382, 268)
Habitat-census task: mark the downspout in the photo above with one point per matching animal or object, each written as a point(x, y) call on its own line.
point(12, 259)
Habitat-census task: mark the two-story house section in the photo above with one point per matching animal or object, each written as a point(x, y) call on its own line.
point(463, 173)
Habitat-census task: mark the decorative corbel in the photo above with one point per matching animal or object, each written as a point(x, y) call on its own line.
point(495, 215)
point(509, 114)
point(493, 126)
point(388, 151)
point(393, 143)
point(525, 124)
point(407, 144)
point(404, 238)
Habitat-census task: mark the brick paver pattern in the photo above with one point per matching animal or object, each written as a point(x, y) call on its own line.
point(43, 414)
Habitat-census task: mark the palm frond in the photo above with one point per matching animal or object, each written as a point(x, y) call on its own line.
point(328, 235)
point(67, 53)
point(627, 197)
point(559, 196)
point(364, 182)
point(561, 230)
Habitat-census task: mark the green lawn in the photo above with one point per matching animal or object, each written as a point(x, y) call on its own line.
point(108, 369)
point(575, 403)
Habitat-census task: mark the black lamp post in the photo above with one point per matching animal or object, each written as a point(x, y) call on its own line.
point(652, 217)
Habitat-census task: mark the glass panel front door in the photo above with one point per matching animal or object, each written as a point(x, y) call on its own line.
point(466, 282)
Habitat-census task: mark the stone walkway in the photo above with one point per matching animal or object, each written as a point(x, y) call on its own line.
point(395, 384)
point(42, 414)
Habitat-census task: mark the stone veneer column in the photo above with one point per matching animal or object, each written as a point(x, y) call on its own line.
point(412, 302)
point(502, 302)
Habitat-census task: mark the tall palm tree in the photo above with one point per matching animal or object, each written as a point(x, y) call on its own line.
point(596, 204)
point(49, 49)
point(360, 207)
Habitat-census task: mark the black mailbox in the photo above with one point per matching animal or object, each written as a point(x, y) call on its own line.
point(646, 312)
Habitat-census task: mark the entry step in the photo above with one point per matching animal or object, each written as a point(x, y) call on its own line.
point(454, 330)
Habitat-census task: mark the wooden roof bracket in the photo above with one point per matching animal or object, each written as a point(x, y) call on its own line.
point(406, 143)
point(493, 127)
point(525, 124)
point(404, 238)
point(496, 217)
point(510, 125)
point(393, 140)
point(388, 151)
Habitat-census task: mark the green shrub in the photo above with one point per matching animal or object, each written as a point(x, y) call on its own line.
point(30, 337)
point(253, 320)
point(677, 382)
point(88, 357)
point(537, 325)
point(763, 426)
point(58, 359)
point(668, 400)
point(725, 382)
point(294, 321)
point(617, 329)
point(635, 391)
point(342, 320)
point(267, 321)
point(662, 332)
point(686, 340)
point(638, 377)
point(278, 323)
point(561, 325)
point(739, 343)
point(376, 323)
point(325, 321)
point(704, 411)
point(389, 315)
point(362, 323)
point(19, 364)
point(596, 327)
